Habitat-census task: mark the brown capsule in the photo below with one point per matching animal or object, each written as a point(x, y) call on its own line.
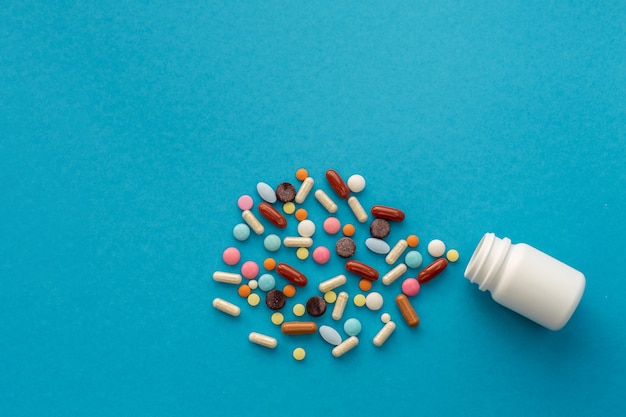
point(273, 215)
point(388, 213)
point(432, 270)
point(407, 310)
point(362, 270)
point(337, 183)
point(298, 327)
point(291, 274)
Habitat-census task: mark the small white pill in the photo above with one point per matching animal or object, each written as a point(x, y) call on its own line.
point(436, 248)
point(385, 317)
point(378, 246)
point(306, 228)
point(330, 335)
point(266, 192)
point(356, 183)
point(374, 301)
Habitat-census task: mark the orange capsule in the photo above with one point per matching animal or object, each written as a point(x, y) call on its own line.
point(432, 270)
point(337, 183)
point(273, 215)
point(362, 270)
point(387, 213)
point(407, 310)
point(298, 327)
point(291, 274)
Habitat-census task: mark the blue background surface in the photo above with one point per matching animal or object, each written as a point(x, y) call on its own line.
point(129, 129)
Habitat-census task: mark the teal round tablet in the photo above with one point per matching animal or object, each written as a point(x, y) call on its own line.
point(352, 327)
point(272, 243)
point(241, 231)
point(413, 259)
point(266, 282)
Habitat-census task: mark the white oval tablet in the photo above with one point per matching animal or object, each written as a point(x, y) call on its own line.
point(266, 192)
point(377, 245)
point(330, 335)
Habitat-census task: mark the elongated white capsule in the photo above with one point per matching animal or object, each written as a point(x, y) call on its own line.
point(297, 242)
point(357, 209)
point(304, 190)
point(332, 283)
point(396, 252)
point(226, 307)
point(326, 201)
point(394, 274)
point(345, 346)
point(263, 340)
point(227, 277)
point(253, 222)
point(384, 333)
point(340, 305)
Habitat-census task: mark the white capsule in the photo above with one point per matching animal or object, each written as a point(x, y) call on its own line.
point(297, 242)
point(331, 284)
point(226, 307)
point(326, 201)
point(340, 305)
point(394, 274)
point(266, 192)
point(357, 209)
point(356, 183)
point(378, 246)
point(345, 346)
point(263, 340)
point(227, 277)
point(304, 190)
point(384, 333)
point(306, 228)
point(396, 252)
point(253, 222)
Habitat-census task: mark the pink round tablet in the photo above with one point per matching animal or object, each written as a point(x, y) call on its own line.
point(249, 269)
point(245, 202)
point(410, 287)
point(231, 256)
point(321, 255)
point(332, 225)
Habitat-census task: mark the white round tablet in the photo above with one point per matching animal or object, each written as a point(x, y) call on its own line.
point(356, 183)
point(436, 248)
point(374, 301)
point(306, 228)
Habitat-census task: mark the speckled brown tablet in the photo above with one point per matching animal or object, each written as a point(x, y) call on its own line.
point(380, 228)
point(285, 192)
point(345, 247)
point(316, 306)
point(275, 299)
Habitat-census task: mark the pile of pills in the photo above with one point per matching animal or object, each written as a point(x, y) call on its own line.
point(290, 295)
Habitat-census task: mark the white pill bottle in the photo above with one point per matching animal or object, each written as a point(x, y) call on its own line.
point(526, 280)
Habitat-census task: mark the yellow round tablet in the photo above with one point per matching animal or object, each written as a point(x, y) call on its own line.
point(299, 310)
point(289, 207)
point(452, 255)
point(254, 299)
point(278, 318)
point(302, 253)
point(359, 300)
point(299, 353)
point(330, 297)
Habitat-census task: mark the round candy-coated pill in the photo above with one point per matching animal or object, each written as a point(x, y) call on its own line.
point(385, 318)
point(254, 299)
point(266, 282)
point(352, 327)
point(306, 228)
point(272, 242)
point(244, 290)
point(452, 255)
point(348, 230)
point(321, 255)
point(301, 174)
point(266, 192)
point(374, 301)
point(412, 241)
point(301, 214)
point(269, 264)
point(413, 259)
point(245, 202)
point(299, 310)
point(302, 253)
point(231, 256)
point(299, 353)
point(289, 207)
point(241, 232)
point(436, 248)
point(278, 318)
point(275, 299)
point(332, 225)
point(289, 290)
point(345, 247)
point(359, 300)
point(410, 287)
point(249, 269)
point(365, 284)
point(253, 284)
point(316, 306)
point(356, 183)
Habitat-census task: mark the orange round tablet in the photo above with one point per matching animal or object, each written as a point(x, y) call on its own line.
point(348, 230)
point(302, 174)
point(301, 214)
point(244, 290)
point(413, 240)
point(269, 264)
point(289, 290)
point(365, 285)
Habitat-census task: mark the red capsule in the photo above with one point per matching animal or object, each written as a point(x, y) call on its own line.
point(337, 183)
point(388, 213)
point(432, 270)
point(291, 274)
point(362, 270)
point(273, 215)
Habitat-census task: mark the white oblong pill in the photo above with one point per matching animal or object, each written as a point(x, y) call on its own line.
point(330, 335)
point(266, 192)
point(377, 245)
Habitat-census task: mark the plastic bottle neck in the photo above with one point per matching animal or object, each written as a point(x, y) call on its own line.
point(486, 261)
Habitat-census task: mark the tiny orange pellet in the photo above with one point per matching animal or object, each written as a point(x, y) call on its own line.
point(365, 285)
point(407, 310)
point(289, 290)
point(301, 214)
point(412, 240)
point(348, 230)
point(244, 290)
point(269, 264)
point(337, 183)
point(302, 174)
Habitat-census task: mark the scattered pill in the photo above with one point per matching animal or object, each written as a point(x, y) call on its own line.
point(436, 248)
point(332, 283)
point(306, 228)
point(345, 247)
point(408, 313)
point(299, 310)
point(302, 174)
point(380, 228)
point(241, 232)
point(301, 214)
point(365, 284)
point(326, 201)
point(321, 255)
point(253, 222)
point(384, 333)
point(244, 290)
point(304, 190)
point(226, 307)
point(227, 277)
point(297, 242)
point(289, 207)
point(330, 335)
point(387, 213)
point(289, 290)
point(356, 183)
point(374, 301)
point(385, 317)
point(285, 192)
point(316, 306)
point(413, 259)
point(277, 318)
point(345, 346)
point(270, 213)
point(263, 340)
point(302, 253)
point(266, 192)
point(330, 297)
point(249, 269)
point(357, 209)
point(254, 299)
point(291, 274)
point(337, 183)
point(298, 327)
point(352, 327)
point(452, 255)
point(412, 240)
point(340, 305)
point(245, 202)
point(231, 256)
point(299, 353)
point(359, 300)
point(396, 252)
point(275, 299)
point(394, 274)
point(362, 270)
point(266, 282)
point(269, 264)
point(378, 246)
point(432, 270)
point(271, 242)
point(348, 230)
point(253, 284)
point(410, 287)
point(332, 225)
